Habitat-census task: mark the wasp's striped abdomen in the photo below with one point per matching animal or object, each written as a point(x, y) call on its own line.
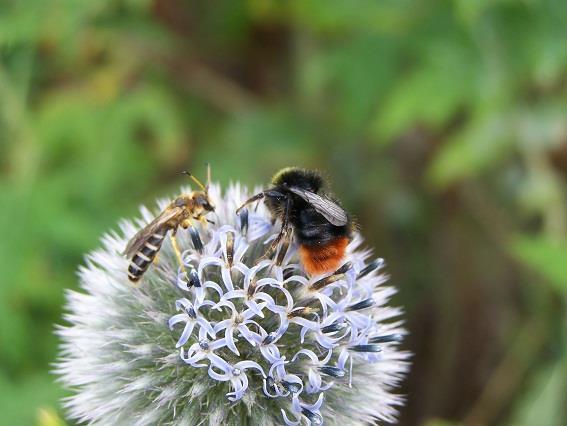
point(147, 253)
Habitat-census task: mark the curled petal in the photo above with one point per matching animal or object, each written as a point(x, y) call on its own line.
point(253, 338)
point(229, 337)
point(271, 353)
point(314, 385)
point(289, 422)
point(217, 344)
point(234, 294)
point(186, 334)
point(256, 308)
point(267, 392)
point(207, 262)
point(326, 342)
point(316, 406)
point(216, 376)
point(177, 319)
point(228, 304)
point(240, 385)
point(220, 363)
point(214, 286)
point(240, 251)
point(183, 304)
point(222, 325)
point(227, 279)
point(245, 365)
point(308, 353)
point(297, 278)
point(206, 325)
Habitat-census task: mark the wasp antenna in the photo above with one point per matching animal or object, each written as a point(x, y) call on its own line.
point(208, 176)
point(197, 181)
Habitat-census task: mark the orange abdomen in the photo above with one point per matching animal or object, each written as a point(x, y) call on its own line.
point(321, 259)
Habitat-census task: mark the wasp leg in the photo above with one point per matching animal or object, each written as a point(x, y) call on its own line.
point(176, 250)
point(203, 220)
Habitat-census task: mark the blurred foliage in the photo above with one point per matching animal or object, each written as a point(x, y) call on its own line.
point(441, 124)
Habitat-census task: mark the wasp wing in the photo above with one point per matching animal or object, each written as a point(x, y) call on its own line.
point(325, 206)
point(144, 234)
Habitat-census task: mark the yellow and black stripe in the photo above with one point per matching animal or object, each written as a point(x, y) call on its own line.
point(143, 257)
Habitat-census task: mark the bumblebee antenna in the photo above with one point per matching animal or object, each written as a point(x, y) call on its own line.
point(256, 197)
point(197, 181)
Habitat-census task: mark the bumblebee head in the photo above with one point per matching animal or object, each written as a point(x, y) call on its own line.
point(294, 176)
point(275, 201)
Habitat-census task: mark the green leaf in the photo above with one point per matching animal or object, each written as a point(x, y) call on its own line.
point(546, 257)
point(543, 403)
point(356, 15)
point(444, 81)
point(483, 142)
point(21, 402)
point(270, 137)
point(350, 78)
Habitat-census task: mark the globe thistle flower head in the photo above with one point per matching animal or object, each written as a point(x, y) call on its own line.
point(229, 336)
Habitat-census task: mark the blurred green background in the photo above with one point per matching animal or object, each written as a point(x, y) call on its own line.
point(442, 125)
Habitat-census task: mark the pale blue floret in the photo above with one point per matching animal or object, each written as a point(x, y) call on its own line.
point(191, 317)
point(310, 411)
point(239, 321)
point(203, 349)
point(315, 384)
point(281, 382)
point(236, 374)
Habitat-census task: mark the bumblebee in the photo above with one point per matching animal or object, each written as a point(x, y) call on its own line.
point(145, 245)
point(320, 225)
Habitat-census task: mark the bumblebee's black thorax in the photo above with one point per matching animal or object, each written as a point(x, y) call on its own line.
point(310, 227)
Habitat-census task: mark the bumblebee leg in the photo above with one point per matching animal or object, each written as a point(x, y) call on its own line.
point(274, 245)
point(176, 250)
point(283, 231)
point(285, 245)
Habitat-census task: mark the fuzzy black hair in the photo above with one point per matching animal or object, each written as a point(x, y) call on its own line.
point(302, 178)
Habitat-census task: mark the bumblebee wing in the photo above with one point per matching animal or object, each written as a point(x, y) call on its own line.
point(327, 207)
point(143, 234)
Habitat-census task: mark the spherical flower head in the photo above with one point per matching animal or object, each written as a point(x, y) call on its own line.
point(228, 336)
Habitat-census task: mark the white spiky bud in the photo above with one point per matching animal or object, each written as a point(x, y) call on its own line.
point(229, 337)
